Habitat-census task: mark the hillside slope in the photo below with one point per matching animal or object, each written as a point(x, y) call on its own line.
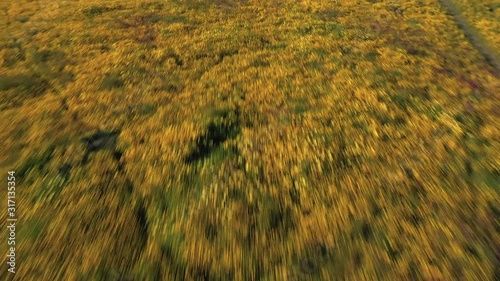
point(241, 140)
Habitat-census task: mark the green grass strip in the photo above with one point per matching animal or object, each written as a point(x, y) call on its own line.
point(472, 34)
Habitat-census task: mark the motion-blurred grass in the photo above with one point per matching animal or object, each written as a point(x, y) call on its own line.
point(250, 140)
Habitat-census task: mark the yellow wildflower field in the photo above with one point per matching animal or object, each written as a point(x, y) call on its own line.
point(251, 140)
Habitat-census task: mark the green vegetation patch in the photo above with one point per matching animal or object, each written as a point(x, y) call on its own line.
point(147, 270)
point(274, 216)
point(112, 80)
point(171, 248)
point(146, 109)
point(372, 56)
point(301, 106)
point(99, 10)
point(23, 19)
point(24, 87)
point(50, 65)
point(224, 126)
point(174, 19)
point(38, 162)
point(333, 30)
point(12, 56)
point(50, 188)
point(48, 56)
point(33, 228)
point(314, 259)
point(170, 53)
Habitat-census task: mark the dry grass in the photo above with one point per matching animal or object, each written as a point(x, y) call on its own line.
point(236, 140)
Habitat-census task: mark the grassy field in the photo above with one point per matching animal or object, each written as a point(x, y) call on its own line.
point(251, 140)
